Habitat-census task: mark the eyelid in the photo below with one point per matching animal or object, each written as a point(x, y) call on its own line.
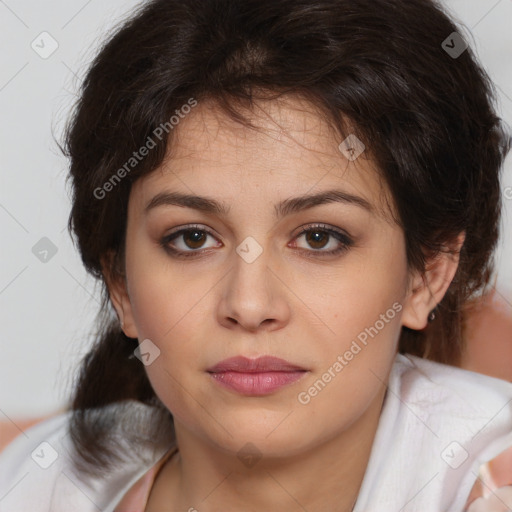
point(321, 227)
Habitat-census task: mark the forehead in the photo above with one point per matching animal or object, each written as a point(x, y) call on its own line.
point(292, 147)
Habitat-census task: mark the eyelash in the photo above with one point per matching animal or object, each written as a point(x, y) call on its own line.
point(344, 240)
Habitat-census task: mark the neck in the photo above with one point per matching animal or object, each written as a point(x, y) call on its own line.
point(328, 476)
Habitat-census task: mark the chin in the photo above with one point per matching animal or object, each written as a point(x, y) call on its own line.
point(253, 440)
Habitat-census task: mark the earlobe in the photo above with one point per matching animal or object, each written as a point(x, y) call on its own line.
point(427, 289)
point(119, 297)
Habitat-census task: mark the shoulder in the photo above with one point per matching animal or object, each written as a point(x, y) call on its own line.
point(463, 398)
point(438, 425)
point(39, 470)
point(470, 412)
point(30, 465)
point(440, 387)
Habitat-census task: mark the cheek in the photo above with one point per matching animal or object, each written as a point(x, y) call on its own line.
point(353, 363)
point(366, 292)
point(160, 296)
point(361, 310)
point(165, 314)
point(165, 307)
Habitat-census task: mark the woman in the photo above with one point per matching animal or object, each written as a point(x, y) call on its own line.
point(289, 204)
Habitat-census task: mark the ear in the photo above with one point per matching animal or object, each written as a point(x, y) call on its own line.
point(118, 293)
point(426, 290)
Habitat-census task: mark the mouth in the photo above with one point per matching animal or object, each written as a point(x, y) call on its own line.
point(255, 377)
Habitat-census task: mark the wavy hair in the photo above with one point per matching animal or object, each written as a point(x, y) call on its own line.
point(427, 118)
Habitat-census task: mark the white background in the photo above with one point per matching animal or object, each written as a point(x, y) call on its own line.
point(47, 309)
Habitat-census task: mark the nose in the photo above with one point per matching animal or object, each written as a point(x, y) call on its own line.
point(254, 296)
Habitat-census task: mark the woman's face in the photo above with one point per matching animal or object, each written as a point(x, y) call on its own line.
point(244, 281)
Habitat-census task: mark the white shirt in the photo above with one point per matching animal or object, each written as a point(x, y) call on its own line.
point(438, 425)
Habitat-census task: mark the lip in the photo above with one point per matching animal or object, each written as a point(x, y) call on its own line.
point(255, 377)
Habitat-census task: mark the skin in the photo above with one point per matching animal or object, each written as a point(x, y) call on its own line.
point(291, 302)
point(489, 319)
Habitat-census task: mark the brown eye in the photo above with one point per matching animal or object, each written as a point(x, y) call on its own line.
point(194, 238)
point(317, 238)
point(320, 236)
point(187, 242)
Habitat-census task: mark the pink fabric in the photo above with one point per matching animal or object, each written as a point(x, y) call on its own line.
point(492, 491)
point(136, 499)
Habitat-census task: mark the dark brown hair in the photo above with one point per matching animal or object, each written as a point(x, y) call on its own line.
point(426, 116)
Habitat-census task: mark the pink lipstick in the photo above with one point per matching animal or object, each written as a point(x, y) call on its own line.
point(255, 377)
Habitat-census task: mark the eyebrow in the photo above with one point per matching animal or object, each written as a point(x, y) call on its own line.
point(282, 209)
